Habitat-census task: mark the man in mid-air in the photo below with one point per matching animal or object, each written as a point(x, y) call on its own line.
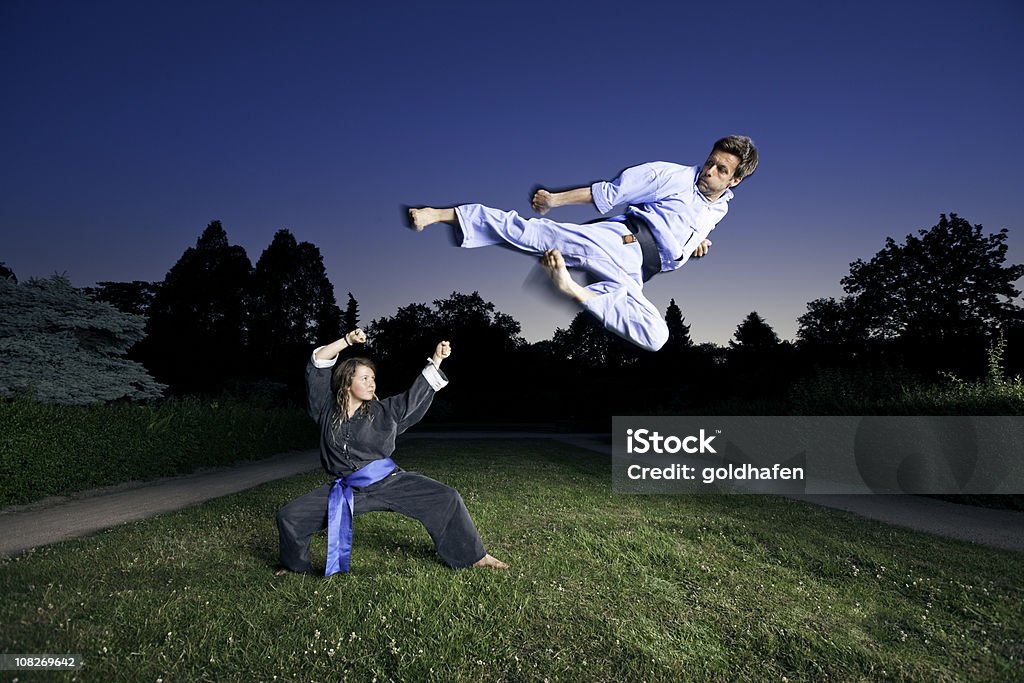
point(672, 210)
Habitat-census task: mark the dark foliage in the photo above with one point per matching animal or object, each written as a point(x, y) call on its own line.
point(932, 303)
point(197, 334)
point(135, 297)
point(754, 334)
point(678, 330)
point(484, 342)
point(292, 309)
point(351, 316)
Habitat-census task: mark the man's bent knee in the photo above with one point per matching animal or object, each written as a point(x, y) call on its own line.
point(658, 338)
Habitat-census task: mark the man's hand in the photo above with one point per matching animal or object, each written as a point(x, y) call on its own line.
point(702, 249)
point(543, 201)
point(443, 350)
point(356, 336)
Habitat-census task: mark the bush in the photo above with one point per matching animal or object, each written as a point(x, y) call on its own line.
point(832, 391)
point(55, 450)
point(842, 391)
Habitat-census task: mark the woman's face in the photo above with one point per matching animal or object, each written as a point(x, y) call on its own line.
point(364, 384)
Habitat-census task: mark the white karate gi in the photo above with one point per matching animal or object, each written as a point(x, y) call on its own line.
point(663, 194)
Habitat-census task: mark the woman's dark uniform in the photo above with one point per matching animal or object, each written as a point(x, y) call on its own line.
point(370, 435)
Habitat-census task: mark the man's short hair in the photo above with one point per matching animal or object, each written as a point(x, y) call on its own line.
point(742, 147)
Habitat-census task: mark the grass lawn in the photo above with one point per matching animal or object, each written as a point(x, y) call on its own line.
point(602, 587)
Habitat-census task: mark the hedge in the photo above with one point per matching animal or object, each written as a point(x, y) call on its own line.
point(56, 450)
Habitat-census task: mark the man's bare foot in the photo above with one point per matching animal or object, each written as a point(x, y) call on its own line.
point(554, 263)
point(488, 561)
point(281, 571)
point(421, 218)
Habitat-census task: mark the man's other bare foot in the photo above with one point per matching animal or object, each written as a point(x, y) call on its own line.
point(421, 218)
point(488, 561)
point(554, 263)
point(281, 571)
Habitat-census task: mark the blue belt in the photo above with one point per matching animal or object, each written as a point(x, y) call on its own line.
point(340, 511)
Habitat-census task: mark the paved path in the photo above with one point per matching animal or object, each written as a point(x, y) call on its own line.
point(82, 514)
point(987, 526)
point(58, 519)
point(91, 511)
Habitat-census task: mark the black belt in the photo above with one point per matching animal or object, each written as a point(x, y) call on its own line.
point(648, 247)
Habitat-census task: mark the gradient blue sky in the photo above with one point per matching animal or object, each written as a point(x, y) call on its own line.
point(127, 126)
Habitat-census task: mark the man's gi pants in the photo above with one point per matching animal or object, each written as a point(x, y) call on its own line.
point(438, 507)
point(597, 248)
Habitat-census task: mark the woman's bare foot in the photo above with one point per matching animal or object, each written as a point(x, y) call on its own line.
point(488, 561)
point(421, 218)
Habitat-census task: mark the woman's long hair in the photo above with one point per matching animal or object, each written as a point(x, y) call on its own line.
point(341, 380)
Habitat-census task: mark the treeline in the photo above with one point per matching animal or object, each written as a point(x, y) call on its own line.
point(924, 324)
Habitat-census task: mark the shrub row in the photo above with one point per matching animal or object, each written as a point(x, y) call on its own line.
point(846, 392)
point(55, 450)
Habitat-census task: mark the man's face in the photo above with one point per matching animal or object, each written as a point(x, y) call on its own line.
point(718, 173)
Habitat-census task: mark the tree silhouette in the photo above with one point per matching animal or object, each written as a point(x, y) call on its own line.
point(485, 345)
point(584, 342)
point(947, 282)
point(758, 366)
point(829, 323)
point(6, 273)
point(587, 343)
point(754, 334)
point(133, 297)
point(351, 316)
point(678, 330)
point(62, 347)
point(197, 327)
point(472, 325)
point(292, 307)
point(411, 331)
point(467, 317)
